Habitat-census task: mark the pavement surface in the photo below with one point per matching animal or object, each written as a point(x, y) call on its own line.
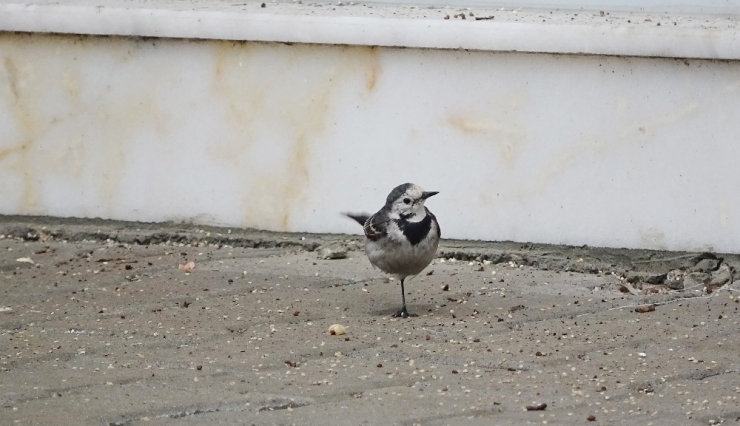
point(110, 324)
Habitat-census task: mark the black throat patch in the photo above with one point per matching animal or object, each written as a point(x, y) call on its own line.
point(415, 231)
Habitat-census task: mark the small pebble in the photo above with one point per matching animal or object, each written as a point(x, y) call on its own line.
point(538, 407)
point(644, 309)
point(187, 266)
point(337, 330)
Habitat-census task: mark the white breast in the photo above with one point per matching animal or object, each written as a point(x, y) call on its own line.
point(395, 255)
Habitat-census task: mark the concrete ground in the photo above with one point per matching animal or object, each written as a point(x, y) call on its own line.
point(117, 332)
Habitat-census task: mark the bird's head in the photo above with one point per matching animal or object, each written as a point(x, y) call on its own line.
point(407, 201)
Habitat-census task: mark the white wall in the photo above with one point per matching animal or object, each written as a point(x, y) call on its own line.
point(574, 149)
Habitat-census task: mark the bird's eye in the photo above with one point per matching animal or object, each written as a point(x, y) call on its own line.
point(407, 200)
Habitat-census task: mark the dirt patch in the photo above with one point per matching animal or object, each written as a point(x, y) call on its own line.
point(99, 324)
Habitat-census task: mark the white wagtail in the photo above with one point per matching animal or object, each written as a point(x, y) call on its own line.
point(402, 237)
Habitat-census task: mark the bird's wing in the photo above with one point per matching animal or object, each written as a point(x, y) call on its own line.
point(375, 227)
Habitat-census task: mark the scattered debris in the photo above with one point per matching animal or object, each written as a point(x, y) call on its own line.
point(626, 287)
point(646, 388)
point(645, 277)
point(25, 260)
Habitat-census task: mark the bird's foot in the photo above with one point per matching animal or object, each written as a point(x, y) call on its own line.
point(403, 313)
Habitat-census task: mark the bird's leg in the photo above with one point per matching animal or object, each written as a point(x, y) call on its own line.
point(403, 313)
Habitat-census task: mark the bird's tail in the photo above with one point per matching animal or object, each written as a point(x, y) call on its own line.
point(360, 218)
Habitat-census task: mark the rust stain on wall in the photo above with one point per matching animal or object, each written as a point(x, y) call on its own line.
point(276, 103)
point(491, 130)
point(371, 63)
point(287, 93)
point(12, 73)
point(71, 84)
point(18, 149)
point(61, 121)
point(594, 145)
point(467, 125)
point(242, 100)
point(30, 72)
point(561, 162)
point(16, 153)
point(307, 130)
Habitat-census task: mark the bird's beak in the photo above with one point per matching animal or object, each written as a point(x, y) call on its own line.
point(427, 194)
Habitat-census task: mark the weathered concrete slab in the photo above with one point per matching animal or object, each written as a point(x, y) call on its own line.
point(115, 332)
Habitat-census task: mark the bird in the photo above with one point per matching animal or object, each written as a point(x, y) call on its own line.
point(401, 239)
